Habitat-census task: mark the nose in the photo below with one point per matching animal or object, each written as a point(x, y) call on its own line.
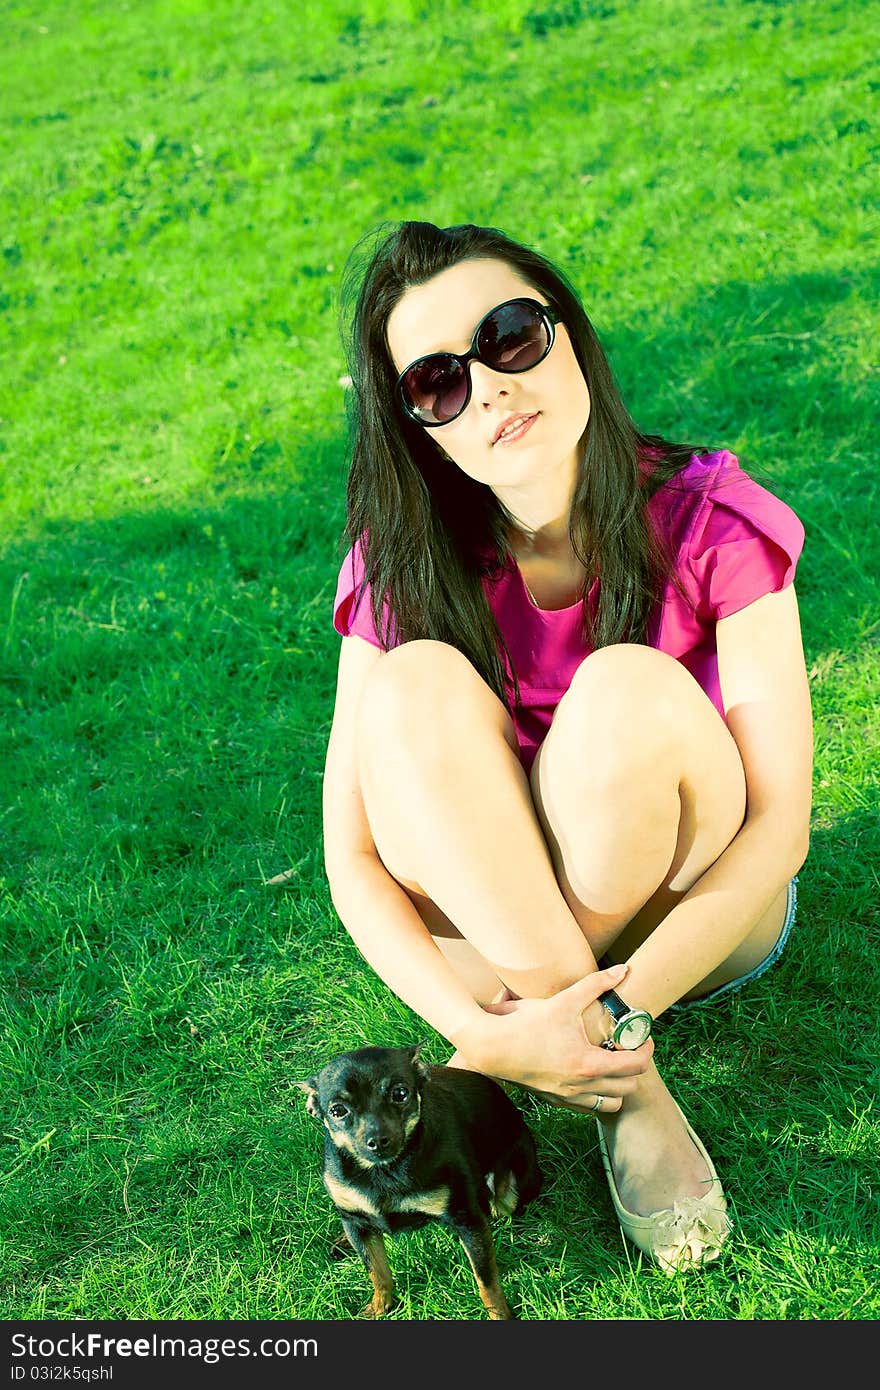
point(487, 385)
point(378, 1143)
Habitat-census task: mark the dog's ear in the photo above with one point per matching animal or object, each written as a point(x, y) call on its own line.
point(415, 1057)
point(310, 1086)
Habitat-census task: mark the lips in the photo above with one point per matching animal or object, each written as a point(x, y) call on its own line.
point(514, 427)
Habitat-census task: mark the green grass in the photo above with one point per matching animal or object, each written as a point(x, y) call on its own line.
point(180, 184)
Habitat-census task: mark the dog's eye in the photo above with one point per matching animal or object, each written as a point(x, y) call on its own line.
point(399, 1094)
point(338, 1111)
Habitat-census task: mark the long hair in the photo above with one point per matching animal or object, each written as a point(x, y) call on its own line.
point(430, 534)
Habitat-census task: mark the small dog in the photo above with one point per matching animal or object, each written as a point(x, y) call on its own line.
point(407, 1143)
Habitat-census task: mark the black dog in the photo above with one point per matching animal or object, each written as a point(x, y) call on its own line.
point(407, 1143)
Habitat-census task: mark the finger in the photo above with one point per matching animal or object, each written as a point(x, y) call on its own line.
point(585, 990)
point(619, 1066)
point(609, 1104)
point(585, 1103)
point(619, 1062)
point(549, 1096)
point(615, 1088)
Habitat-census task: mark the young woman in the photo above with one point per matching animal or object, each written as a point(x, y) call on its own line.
point(572, 720)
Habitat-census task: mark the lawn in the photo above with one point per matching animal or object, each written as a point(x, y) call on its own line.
point(181, 183)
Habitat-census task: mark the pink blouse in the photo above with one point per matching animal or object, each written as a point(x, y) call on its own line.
point(733, 541)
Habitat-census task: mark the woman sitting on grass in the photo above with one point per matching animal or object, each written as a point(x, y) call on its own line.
point(572, 719)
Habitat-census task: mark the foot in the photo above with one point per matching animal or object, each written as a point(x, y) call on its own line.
point(655, 1161)
point(664, 1188)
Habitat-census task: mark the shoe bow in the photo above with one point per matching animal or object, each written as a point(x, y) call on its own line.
point(692, 1232)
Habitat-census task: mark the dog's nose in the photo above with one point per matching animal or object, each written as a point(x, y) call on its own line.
point(378, 1143)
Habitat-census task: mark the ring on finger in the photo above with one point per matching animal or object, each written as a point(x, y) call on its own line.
point(597, 1103)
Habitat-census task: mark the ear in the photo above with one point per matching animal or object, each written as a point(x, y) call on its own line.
point(311, 1089)
point(415, 1057)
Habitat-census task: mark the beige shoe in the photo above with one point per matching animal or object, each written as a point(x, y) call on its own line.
point(685, 1236)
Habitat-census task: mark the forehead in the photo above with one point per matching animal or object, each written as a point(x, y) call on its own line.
point(441, 315)
point(360, 1085)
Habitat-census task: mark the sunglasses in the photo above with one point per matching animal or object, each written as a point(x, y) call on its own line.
point(514, 337)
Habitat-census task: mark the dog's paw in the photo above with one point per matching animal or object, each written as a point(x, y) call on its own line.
point(505, 1199)
point(377, 1307)
point(341, 1247)
point(501, 1311)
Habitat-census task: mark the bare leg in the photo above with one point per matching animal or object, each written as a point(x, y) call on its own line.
point(451, 813)
point(454, 820)
point(637, 799)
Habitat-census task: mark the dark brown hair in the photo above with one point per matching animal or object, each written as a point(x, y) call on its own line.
point(429, 533)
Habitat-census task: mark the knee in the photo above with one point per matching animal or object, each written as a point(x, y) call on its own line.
point(415, 691)
point(631, 699)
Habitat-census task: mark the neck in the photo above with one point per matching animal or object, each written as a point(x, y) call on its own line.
point(539, 517)
point(545, 542)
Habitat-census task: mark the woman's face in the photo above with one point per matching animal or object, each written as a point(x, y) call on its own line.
point(551, 399)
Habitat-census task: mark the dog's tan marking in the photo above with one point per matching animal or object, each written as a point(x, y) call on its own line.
point(414, 1118)
point(433, 1203)
point(490, 1289)
point(342, 1141)
point(380, 1277)
point(349, 1198)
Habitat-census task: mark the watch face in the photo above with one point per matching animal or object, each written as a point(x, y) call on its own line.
point(633, 1030)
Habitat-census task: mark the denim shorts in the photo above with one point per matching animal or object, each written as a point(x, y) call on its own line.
point(733, 985)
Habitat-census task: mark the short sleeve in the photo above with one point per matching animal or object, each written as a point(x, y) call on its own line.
point(352, 608)
point(747, 544)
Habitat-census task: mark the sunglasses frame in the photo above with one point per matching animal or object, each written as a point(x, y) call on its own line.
point(550, 319)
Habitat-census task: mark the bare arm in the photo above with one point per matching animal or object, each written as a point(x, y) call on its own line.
point(766, 695)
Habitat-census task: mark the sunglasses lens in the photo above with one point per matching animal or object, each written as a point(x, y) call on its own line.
point(514, 338)
point(435, 389)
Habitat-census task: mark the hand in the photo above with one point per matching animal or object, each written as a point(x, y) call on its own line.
point(542, 1044)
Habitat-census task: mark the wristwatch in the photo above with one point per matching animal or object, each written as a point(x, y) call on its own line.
point(631, 1027)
